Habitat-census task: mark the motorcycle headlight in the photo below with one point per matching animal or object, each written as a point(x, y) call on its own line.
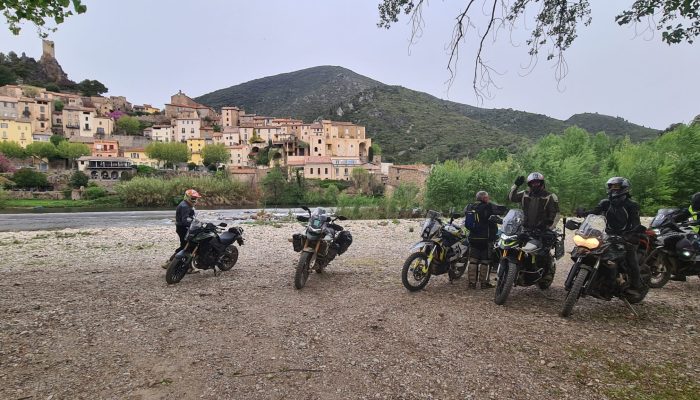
point(657, 232)
point(686, 253)
point(590, 243)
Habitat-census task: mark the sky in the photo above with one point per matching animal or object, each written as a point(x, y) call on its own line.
point(148, 50)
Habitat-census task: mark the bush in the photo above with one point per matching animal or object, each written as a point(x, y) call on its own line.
point(145, 170)
point(94, 192)
point(154, 192)
point(78, 179)
point(29, 179)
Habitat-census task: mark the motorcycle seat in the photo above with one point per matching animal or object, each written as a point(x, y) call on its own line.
point(227, 237)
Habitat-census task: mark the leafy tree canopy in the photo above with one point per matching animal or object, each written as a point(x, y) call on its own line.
point(91, 88)
point(128, 125)
point(214, 154)
point(42, 149)
point(39, 12)
point(12, 150)
point(28, 178)
point(171, 153)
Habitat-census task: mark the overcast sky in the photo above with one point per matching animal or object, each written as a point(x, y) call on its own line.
point(148, 50)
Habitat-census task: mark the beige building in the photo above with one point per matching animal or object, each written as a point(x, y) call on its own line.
point(240, 156)
point(230, 116)
point(160, 133)
point(138, 156)
point(415, 174)
point(15, 130)
point(229, 137)
point(78, 121)
point(104, 126)
point(102, 105)
point(186, 128)
point(8, 107)
point(182, 105)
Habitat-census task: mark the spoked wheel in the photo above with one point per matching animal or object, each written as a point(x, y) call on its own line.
point(415, 273)
point(302, 271)
point(176, 270)
point(660, 273)
point(229, 259)
point(574, 293)
point(505, 281)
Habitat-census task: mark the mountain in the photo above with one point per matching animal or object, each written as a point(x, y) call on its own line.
point(409, 125)
point(303, 94)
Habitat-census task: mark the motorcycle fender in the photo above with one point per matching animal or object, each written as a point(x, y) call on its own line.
point(420, 246)
point(309, 249)
point(182, 254)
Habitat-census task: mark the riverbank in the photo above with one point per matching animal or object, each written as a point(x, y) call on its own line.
point(87, 311)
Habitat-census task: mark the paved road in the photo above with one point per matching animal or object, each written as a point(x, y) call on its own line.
point(43, 221)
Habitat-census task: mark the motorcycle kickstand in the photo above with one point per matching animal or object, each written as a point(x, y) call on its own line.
point(214, 270)
point(630, 307)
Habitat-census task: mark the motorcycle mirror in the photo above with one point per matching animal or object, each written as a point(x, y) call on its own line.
point(341, 218)
point(572, 225)
point(305, 208)
point(223, 224)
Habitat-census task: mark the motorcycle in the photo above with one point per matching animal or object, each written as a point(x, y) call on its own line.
point(320, 243)
point(599, 268)
point(674, 248)
point(444, 248)
point(208, 247)
point(518, 250)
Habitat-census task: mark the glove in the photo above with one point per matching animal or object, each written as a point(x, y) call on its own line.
point(519, 180)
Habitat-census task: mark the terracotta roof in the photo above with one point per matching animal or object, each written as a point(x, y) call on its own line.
point(77, 108)
point(126, 149)
point(81, 139)
point(8, 99)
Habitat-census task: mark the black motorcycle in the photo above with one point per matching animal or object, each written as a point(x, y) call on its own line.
point(208, 247)
point(599, 268)
point(674, 248)
point(518, 250)
point(320, 243)
point(444, 248)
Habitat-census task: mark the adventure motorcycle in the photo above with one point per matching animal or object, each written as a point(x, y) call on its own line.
point(321, 242)
point(674, 248)
point(518, 249)
point(444, 248)
point(208, 247)
point(599, 268)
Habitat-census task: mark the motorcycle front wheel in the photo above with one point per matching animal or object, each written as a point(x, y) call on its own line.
point(505, 282)
point(176, 270)
point(415, 273)
point(574, 293)
point(660, 273)
point(229, 259)
point(302, 271)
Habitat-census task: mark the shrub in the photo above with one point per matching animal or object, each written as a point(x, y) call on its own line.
point(78, 179)
point(29, 179)
point(94, 192)
point(151, 192)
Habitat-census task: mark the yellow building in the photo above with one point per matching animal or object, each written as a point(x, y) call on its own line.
point(12, 130)
point(195, 147)
point(138, 156)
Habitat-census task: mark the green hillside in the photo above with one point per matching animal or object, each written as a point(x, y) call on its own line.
point(613, 126)
point(304, 94)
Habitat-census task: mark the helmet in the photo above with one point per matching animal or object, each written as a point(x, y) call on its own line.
point(695, 201)
point(618, 187)
point(535, 176)
point(192, 196)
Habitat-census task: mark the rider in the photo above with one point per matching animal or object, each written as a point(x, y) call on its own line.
point(482, 235)
point(688, 213)
point(622, 216)
point(184, 214)
point(541, 210)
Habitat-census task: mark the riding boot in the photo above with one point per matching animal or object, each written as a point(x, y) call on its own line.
point(472, 269)
point(484, 272)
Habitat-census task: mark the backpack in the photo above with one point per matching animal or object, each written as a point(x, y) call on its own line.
point(471, 217)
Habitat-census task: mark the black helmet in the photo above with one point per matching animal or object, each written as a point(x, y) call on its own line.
point(618, 187)
point(695, 201)
point(535, 176)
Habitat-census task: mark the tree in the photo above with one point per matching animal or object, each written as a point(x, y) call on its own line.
point(170, 153)
point(361, 178)
point(214, 154)
point(274, 184)
point(58, 105)
point(5, 164)
point(7, 77)
point(128, 125)
point(38, 12)
point(71, 151)
point(78, 179)
point(12, 150)
point(92, 88)
point(555, 23)
point(52, 87)
point(42, 149)
point(29, 179)
point(57, 139)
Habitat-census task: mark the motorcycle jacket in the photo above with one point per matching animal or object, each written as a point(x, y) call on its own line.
point(484, 230)
point(686, 214)
point(622, 215)
point(541, 209)
point(184, 214)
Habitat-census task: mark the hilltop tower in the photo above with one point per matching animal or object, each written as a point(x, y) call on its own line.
point(48, 49)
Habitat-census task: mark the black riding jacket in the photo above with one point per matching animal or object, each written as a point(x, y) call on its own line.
point(622, 216)
point(541, 209)
point(184, 214)
point(484, 230)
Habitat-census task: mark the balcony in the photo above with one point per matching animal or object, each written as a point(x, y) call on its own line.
point(72, 125)
point(42, 117)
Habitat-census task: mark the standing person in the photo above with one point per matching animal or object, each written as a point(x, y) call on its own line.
point(541, 210)
point(622, 218)
point(690, 213)
point(184, 214)
point(482, 235)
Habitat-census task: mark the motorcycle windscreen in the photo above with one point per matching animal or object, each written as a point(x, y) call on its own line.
point(512, 222)
point(592, 227)
point(662, 216)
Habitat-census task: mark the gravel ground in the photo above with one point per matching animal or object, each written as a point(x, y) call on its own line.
point(87, 314)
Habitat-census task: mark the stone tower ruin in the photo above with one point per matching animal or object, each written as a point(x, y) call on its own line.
point(48, 49)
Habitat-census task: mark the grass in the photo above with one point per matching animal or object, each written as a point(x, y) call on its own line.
point(31, 203)
point(651, 382)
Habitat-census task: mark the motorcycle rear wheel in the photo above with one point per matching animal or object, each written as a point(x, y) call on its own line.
point(660, 273)
point(229, 259)
point(176, 270)
point(504, 285)
point(574, 293)
point(302, 272)
point(409, 274)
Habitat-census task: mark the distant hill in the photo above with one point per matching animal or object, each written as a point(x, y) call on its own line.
point(304, 94)
point(46, 72)
point(409, 125)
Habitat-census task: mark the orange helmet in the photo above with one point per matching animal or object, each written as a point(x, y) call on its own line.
point(192, 195)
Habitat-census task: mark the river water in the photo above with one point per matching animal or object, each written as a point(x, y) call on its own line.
point(104, 219)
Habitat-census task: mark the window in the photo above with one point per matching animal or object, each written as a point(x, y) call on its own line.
point(319, 171)
point(183, 130)
point(42, 108)
point(311, 171)
point(3, 125)
point(319, 141)
point(337, 171)
point(191, 130)
point(346, 172)
point(42, 124)
point(325, 171)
